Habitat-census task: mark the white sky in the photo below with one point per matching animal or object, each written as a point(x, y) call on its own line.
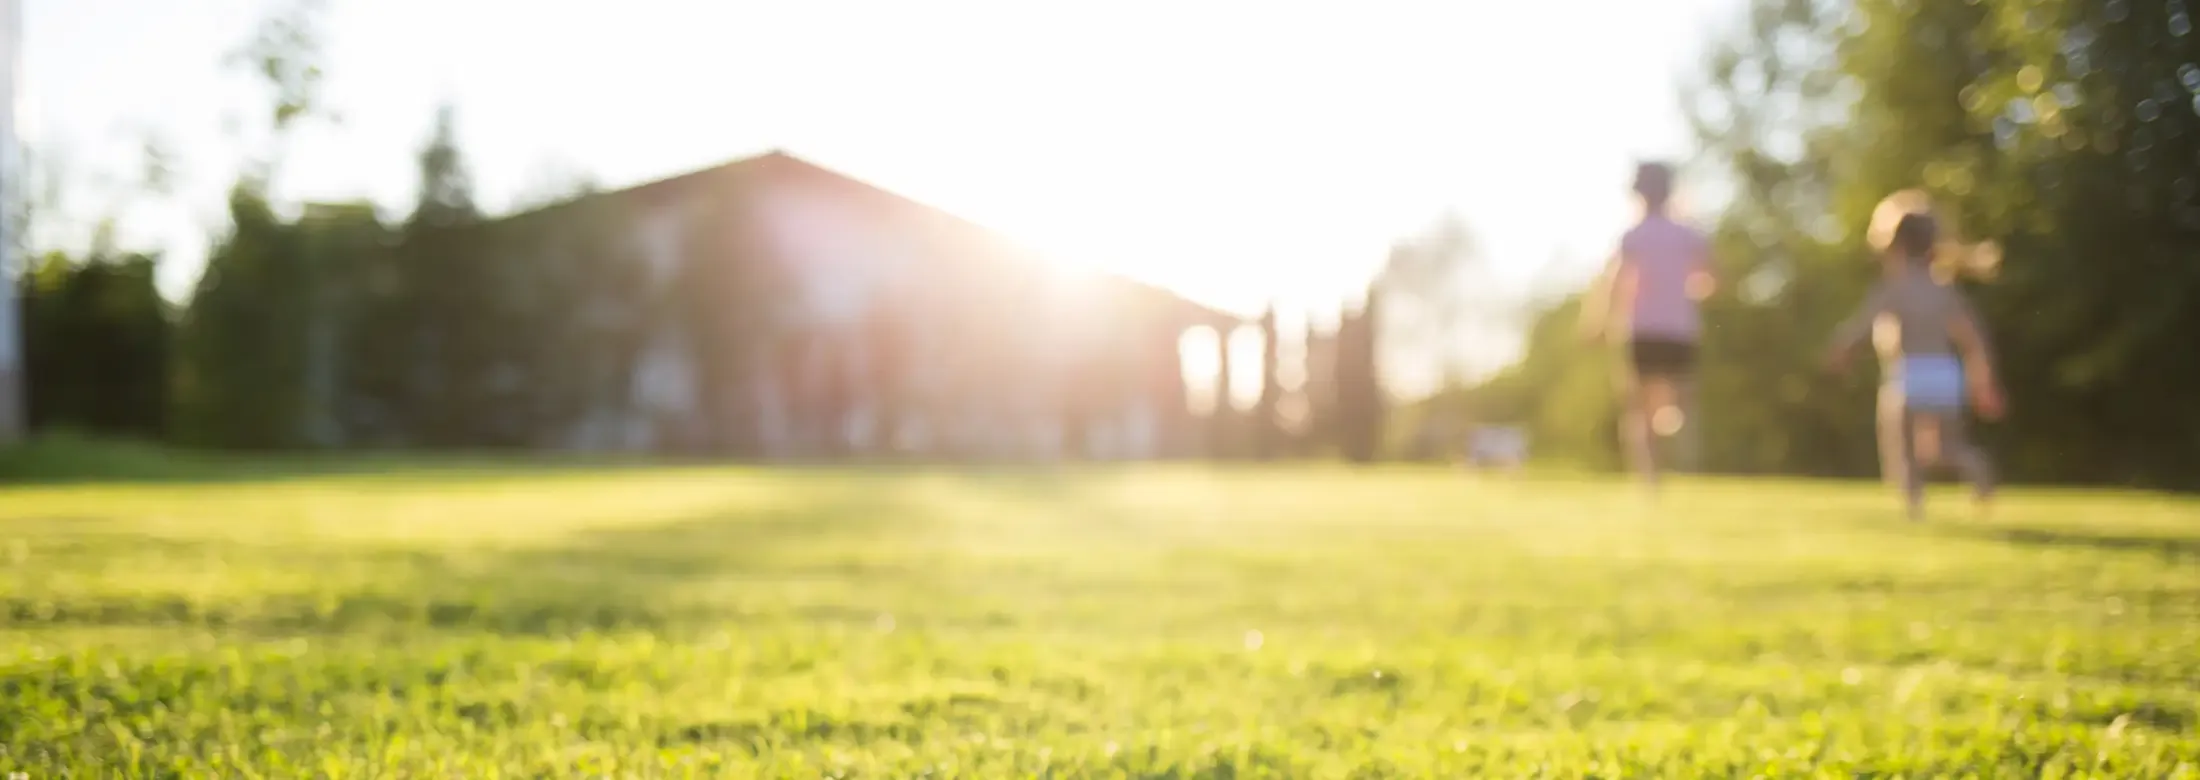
point(1232, 150)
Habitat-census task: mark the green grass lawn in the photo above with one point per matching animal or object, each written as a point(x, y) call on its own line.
point(1138, 622)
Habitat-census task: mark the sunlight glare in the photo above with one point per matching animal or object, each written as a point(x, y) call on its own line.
point(1246, 374)
point(1200, 350)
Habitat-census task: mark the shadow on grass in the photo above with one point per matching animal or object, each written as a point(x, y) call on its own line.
point(73, 461)
point(68, 460)
point(608, 580)
point(2174, 548)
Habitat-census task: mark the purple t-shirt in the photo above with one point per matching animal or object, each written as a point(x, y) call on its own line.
point(1656, 260)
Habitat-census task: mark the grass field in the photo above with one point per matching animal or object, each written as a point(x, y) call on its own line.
point(1148, 622)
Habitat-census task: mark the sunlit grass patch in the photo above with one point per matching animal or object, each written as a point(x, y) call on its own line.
point(1149, 621)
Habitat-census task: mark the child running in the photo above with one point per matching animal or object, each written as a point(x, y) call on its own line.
point(1933, 350)
point(1656, 281)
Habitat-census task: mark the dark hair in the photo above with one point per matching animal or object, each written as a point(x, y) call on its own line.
point(1915, 236)
point(1654, 181)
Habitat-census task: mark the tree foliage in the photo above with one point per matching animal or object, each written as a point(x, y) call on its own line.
point(245, 343)
point(96, 345)
point(1440, 298)
point(2064, 131)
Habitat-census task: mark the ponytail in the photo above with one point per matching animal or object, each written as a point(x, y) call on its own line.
point(1908, 222)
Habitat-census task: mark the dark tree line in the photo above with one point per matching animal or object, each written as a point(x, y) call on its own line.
point(334, 327)
point(97, 343)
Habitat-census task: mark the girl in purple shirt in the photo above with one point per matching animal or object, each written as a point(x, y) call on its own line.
point(1657, 279)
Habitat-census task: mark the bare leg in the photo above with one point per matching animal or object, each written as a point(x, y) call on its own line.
point(1968, 459)
point(1936, 437)
point(1925, 440)
point(1658, 403)
point(1687, 441)
point(1634, 430)
point(1668, 418)
point(1913, 472)
point(1891, 430)
point(1660, 400)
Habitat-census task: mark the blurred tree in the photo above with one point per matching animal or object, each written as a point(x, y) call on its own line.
point(285, 54)
point(96, 345)
point(97, 336)
point(350, 250)
point(1439, 300)
point(246, 340)
point(445, 315)
point(1771, 117)
point(1561, 393)
point(2080, 127)
point(2065, 131)
point(1768, 115)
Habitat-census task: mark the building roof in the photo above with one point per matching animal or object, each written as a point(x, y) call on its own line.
point(778, 162)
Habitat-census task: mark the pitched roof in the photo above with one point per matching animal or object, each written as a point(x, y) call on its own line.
point(779, 161)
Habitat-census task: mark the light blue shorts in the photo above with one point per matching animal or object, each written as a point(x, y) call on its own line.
point(1932, 383)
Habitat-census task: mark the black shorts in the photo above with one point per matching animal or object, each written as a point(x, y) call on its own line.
point(1662, 357)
